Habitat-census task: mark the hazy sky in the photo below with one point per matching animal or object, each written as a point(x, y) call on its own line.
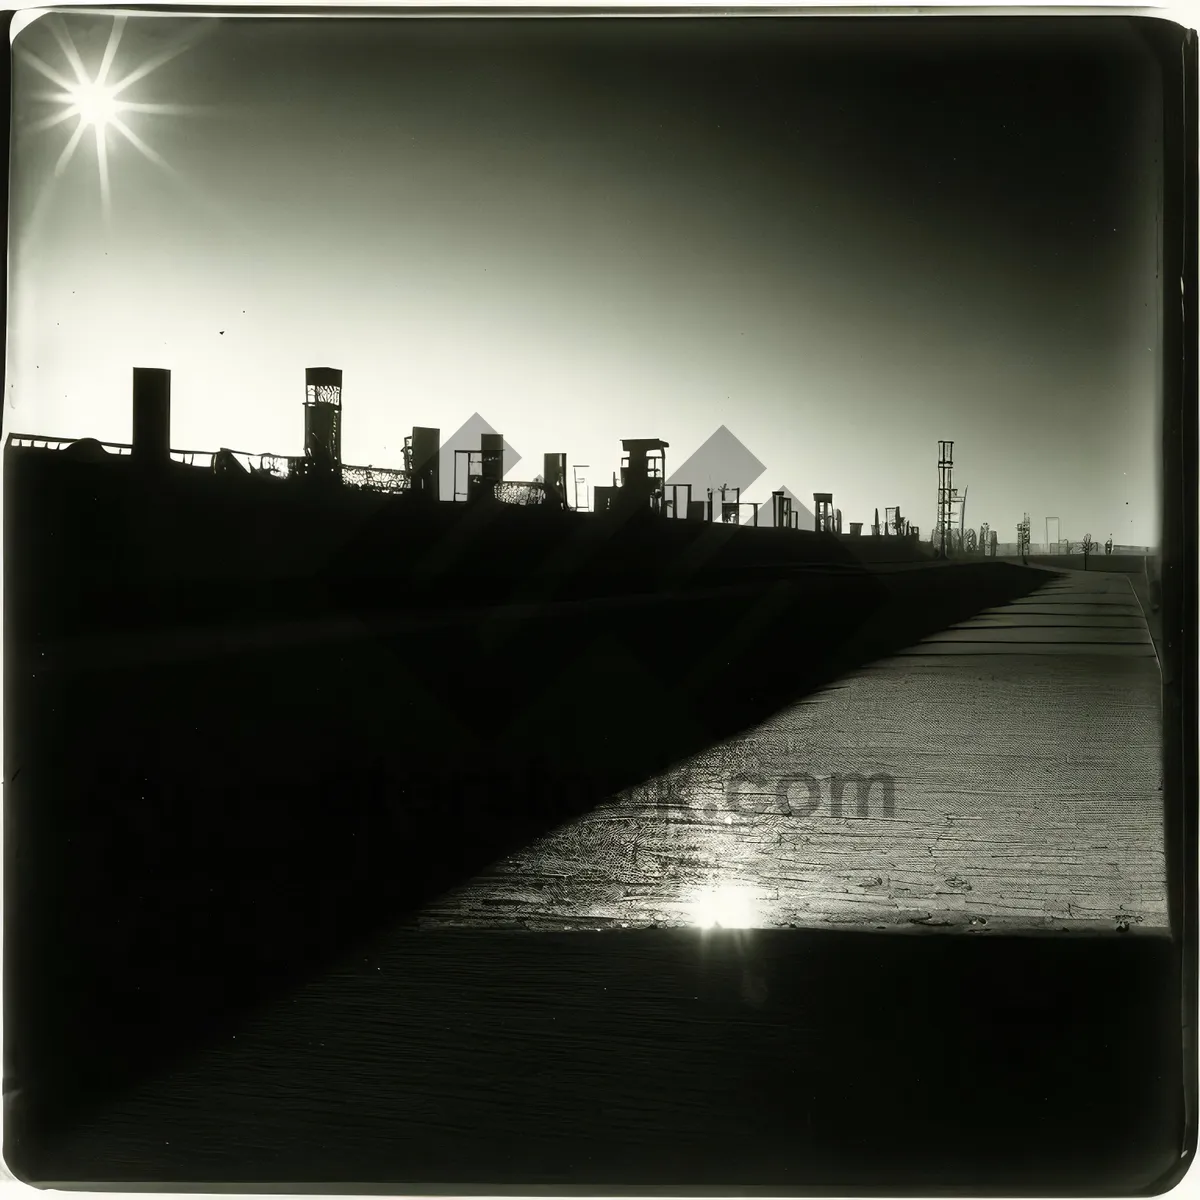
point(841, 239)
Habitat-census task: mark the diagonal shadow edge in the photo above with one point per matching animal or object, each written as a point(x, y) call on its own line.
point(255, 890)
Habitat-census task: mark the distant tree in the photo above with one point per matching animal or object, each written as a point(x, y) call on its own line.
point(1086, 547)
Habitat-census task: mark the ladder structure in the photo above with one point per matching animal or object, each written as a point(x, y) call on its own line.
point(951, 506)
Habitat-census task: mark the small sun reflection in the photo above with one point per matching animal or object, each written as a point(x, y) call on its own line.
point(724, 906)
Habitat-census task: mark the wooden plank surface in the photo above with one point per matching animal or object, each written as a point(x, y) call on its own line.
point(1026, 760)
point(1026, 799)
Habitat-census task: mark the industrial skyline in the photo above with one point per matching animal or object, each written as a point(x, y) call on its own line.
point(843, 271)
point(477, 458)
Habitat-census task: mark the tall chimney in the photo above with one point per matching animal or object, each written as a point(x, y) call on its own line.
point(151, 416)
point(323, 420)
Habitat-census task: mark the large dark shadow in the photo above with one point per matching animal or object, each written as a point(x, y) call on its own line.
point(873, 1063)
point(245, 734)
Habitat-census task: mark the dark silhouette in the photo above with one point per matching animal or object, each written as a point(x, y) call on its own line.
point(297, 711)
point(1086, 546)
point(1023, 540)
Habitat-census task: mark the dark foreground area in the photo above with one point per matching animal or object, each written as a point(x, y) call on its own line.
point(242, 755)
point(782, 1060)
point(196, 834)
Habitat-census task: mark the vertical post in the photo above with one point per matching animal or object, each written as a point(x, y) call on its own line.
point(945, 489)
point(426, 461)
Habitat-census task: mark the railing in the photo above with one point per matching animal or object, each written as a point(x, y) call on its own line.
point(377, 479)
point(279, 465)
point(520, 493)
point(25, 442)
point(188, 457)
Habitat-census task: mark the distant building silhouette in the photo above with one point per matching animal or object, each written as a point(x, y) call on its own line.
point(803, 515)
point(708, 487)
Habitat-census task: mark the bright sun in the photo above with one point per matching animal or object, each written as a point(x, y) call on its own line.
point(96, 104)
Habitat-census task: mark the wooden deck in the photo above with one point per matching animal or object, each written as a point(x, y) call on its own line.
point(1024, 747)
point(1026, 799)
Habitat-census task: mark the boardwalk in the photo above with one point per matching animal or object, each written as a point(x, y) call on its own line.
point(1026, 798)
point(1025, 750)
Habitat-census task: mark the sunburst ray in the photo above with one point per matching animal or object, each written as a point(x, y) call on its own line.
point(151, 65)
point(102, 160)
point(62, 35)
point(110, 50)
point(68, 153)
point(136, 142)
point(49, 72)
point(166, 110)
point(51, 121)
point(91, 100)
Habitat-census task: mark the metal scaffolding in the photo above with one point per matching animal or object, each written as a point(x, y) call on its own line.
point(946, 493)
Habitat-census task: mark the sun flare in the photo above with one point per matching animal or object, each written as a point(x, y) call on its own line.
point(94, 103)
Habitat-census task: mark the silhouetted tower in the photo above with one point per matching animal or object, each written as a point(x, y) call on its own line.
point(323, 422)
point(945, 491)
point(1023, 538)
point(151, 417)
point(823, 512)
point(425, 456)
point(875, 527)
point(781, 510)
point(643, 472)
point(891, 521)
